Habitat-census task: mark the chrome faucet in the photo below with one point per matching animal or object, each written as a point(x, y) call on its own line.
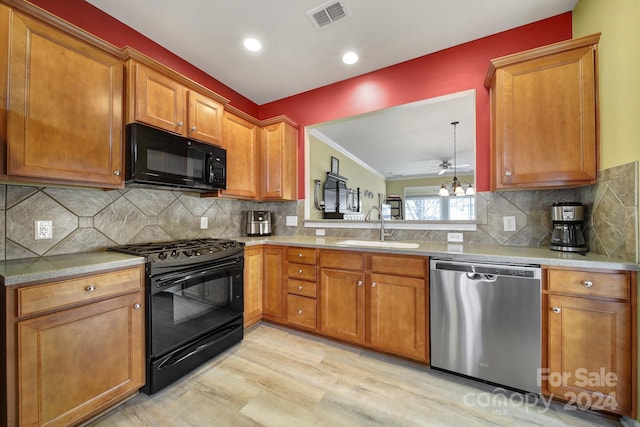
point(378, 208)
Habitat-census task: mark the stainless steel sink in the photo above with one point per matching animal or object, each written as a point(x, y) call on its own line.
point(378, 244)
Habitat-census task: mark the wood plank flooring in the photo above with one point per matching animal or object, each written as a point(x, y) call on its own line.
point(280, 377)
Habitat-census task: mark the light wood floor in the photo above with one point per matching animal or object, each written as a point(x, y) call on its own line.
point(279, 377)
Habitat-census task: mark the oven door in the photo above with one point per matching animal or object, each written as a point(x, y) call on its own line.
point(186, 306)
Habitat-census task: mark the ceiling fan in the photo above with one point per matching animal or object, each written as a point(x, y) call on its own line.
point(446, 165)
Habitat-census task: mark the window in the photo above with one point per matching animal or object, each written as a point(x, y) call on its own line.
point(422, 204)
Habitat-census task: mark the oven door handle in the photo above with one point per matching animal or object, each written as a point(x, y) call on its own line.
point(181, 355)
point(171, 281)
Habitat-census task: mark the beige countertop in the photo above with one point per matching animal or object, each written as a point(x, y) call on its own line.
point(462, 252)
point(53, 267)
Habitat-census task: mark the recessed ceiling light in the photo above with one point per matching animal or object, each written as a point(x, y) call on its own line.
point(252, 44)
point(350, 58)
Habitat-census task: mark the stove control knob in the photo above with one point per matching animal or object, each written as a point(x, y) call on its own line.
point(188, 253)
point(174, 254)
point(162, 255)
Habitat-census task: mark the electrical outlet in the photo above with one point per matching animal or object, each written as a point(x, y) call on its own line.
point(509, 223)
point(43, 230)
point(319, 231)
point(455, 237)
point(291, 220)
point(204, 222)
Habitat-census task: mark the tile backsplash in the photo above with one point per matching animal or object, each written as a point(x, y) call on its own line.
point(86, 220)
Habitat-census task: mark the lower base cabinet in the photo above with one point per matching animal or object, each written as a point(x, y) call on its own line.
point(590, 346)
point(376, 300)
point(80, 347)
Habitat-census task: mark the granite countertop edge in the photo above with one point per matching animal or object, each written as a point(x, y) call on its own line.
point(27, 270)
point(461, 252)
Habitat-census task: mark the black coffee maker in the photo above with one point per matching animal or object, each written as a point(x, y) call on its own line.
point(568, 224)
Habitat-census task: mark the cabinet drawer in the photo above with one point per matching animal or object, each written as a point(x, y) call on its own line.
point(399, 265)
point(301, 271)
point(36, 299)
point(301, 255)
point(344, 260)
point(301, 311)
point(611, 285)
point(299, 287)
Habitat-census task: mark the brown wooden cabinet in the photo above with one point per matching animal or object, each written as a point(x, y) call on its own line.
point(279, 161)
point(64, 120)
point(375, 300)
point(301, 287)
point(253, 279)
point(544, 116)
point(591, 349)
point(157, 98)
point(273, 295)
point(79, 347)
point(241, 142)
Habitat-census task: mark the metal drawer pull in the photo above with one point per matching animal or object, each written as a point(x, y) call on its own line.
point(136, 306)
point(90, 288)
point(587, 283)
point(193, 128)
point(507, 173)
point(359, 283)
point(373, 284)
point(556, 310)
point(299, 255)
point(299, 287)
point(299, 271)
point(300, 311)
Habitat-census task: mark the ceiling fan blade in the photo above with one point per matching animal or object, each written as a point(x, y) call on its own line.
point(442, 171)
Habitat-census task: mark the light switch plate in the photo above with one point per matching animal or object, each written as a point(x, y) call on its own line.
point(204, 222)
point(455, 237)
point(292, 220)
point(319, 231)
point(509, 223)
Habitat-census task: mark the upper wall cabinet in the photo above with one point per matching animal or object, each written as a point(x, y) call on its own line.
point(544, 116)
point(158, 98)
point(64, 117)
point(279, 161)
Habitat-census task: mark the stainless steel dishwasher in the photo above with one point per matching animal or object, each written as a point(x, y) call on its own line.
point(485, 321)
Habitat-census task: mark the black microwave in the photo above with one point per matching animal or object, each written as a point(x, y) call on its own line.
point(156, 158)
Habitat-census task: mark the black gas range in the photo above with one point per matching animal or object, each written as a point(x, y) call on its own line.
point(195, 304)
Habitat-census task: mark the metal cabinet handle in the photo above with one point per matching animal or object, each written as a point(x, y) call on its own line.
point(508, 172)
point(136, 306)
point(299, 255)
point(277, 190)
point(300, 287)
point(587, 283)
point(193, 128)
point(556, 309)
point(373, 284)
point(359, 283)
point(90, 288)
point(300, 311)
point(299, 271)
point(116, 172)
point(180, 123)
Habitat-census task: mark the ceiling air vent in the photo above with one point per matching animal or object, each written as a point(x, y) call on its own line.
point(327, 14)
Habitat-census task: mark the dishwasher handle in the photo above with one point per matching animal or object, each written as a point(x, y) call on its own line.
point(489, 278)
point(473, 269)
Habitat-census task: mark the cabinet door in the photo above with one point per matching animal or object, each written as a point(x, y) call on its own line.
point(241, 142)
point(253, 273)
point(158, 100)
point(77, 362)
point(279, 149)
point(396, 313)
point(65, 108)
point(273, 304)
point(205, 119)
point(341, 298)
point(544, 118)
point(589, 346)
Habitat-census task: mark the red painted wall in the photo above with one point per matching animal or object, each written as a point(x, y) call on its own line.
point(455, 69)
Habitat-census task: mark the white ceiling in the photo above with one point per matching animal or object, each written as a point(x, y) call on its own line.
point(296, 57)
